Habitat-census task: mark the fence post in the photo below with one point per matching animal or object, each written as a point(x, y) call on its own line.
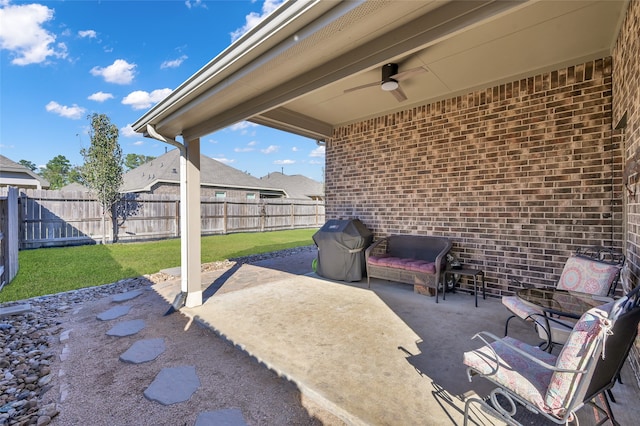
point(10, 237)
point(224, 218)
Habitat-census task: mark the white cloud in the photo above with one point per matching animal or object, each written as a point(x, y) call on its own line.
point(252, 143)
point(138, 143)
point(141, 99)
point(7, 146)
point(87, 34)
point(22, 34)
point(294, 149)
point(270, 149)
point(318, 152)
point(128, 132)
point(100, 96)
point(195, 3)
point(316, 162)
point(74, 112)
point(224, 160)
point(120, 72)
point(245, 149)
point(242, 127)
point(284, 162)
point(252, 19)
point(173, 64)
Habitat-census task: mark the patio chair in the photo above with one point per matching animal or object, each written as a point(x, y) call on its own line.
point(558, 386)
point(594, 270)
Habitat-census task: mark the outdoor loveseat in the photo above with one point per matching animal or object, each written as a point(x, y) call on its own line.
point(419, 260)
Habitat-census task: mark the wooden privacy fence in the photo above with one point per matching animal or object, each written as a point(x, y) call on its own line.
point(59, 218)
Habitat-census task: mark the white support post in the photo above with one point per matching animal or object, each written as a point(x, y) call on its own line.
point(191, 224)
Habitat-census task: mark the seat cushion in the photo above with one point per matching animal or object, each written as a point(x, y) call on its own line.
point(587, 276)
point(518, 307)
point(514, 371)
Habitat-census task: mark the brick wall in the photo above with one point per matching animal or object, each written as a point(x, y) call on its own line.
point(626, 103)
point(626, 100)
point(518, 175)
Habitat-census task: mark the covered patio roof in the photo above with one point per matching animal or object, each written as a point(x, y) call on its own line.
point(294, 70)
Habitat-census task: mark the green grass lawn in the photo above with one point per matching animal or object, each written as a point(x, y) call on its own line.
point(54, 270)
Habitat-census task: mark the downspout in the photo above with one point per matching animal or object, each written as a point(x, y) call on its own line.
point(181, 298)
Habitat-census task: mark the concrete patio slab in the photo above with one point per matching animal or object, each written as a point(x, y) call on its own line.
point(382, 355)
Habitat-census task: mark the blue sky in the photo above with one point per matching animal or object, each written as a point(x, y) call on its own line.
point(61, 61)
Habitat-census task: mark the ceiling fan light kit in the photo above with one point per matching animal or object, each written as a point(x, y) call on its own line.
point(389, 85)
point(390, 81)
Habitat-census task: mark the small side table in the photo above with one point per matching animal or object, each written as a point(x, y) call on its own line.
point(466, 272)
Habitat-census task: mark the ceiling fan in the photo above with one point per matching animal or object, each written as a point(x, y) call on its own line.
point(391, 79)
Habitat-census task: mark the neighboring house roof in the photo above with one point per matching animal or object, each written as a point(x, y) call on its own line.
point(15, 174)
point(166, 169)
point(296, 186)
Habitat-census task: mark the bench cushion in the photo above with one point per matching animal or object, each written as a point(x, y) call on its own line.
point(408, 264)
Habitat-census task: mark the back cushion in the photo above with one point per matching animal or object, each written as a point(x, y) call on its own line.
point(587, 276)
point(416, 246)
point(583, 344)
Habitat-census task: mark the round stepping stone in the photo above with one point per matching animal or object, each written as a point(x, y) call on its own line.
point(172, 385)
point(226, 417)
point(123, 297)
point(113, 313)
point(143, 351)
point(126, 328)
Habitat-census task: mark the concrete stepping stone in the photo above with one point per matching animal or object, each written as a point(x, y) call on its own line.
point(113, 313)
point(143, 351)
point(123, 297)
point(126, 328)
point(172, 385)
point(226, 417)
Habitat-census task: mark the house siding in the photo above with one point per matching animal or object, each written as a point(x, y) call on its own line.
point(174, 189)
point(626, 100)
point(518, 175)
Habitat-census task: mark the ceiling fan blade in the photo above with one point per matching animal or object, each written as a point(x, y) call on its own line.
point(399, 94)
point(364, 86)
point(409, 73)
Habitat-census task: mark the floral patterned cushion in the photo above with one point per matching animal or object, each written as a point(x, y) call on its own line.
point(587, 276)
point(583, 344)
point(514, 371)
point(518, 307)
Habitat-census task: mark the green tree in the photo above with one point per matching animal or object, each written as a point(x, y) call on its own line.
point(28, 164)
point(56, 171)
point(102, 169)
point(131, 161)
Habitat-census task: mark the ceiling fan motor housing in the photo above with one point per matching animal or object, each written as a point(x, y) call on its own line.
point(389, 70)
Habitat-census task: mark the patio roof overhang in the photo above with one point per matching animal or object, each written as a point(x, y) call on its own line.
point(291, 71)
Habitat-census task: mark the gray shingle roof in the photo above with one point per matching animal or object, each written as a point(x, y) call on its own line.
point(296, 186)
point(166, 168)
point(7, 165)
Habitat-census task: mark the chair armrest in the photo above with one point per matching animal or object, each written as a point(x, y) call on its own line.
point(483, 335)
point(372, 247)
